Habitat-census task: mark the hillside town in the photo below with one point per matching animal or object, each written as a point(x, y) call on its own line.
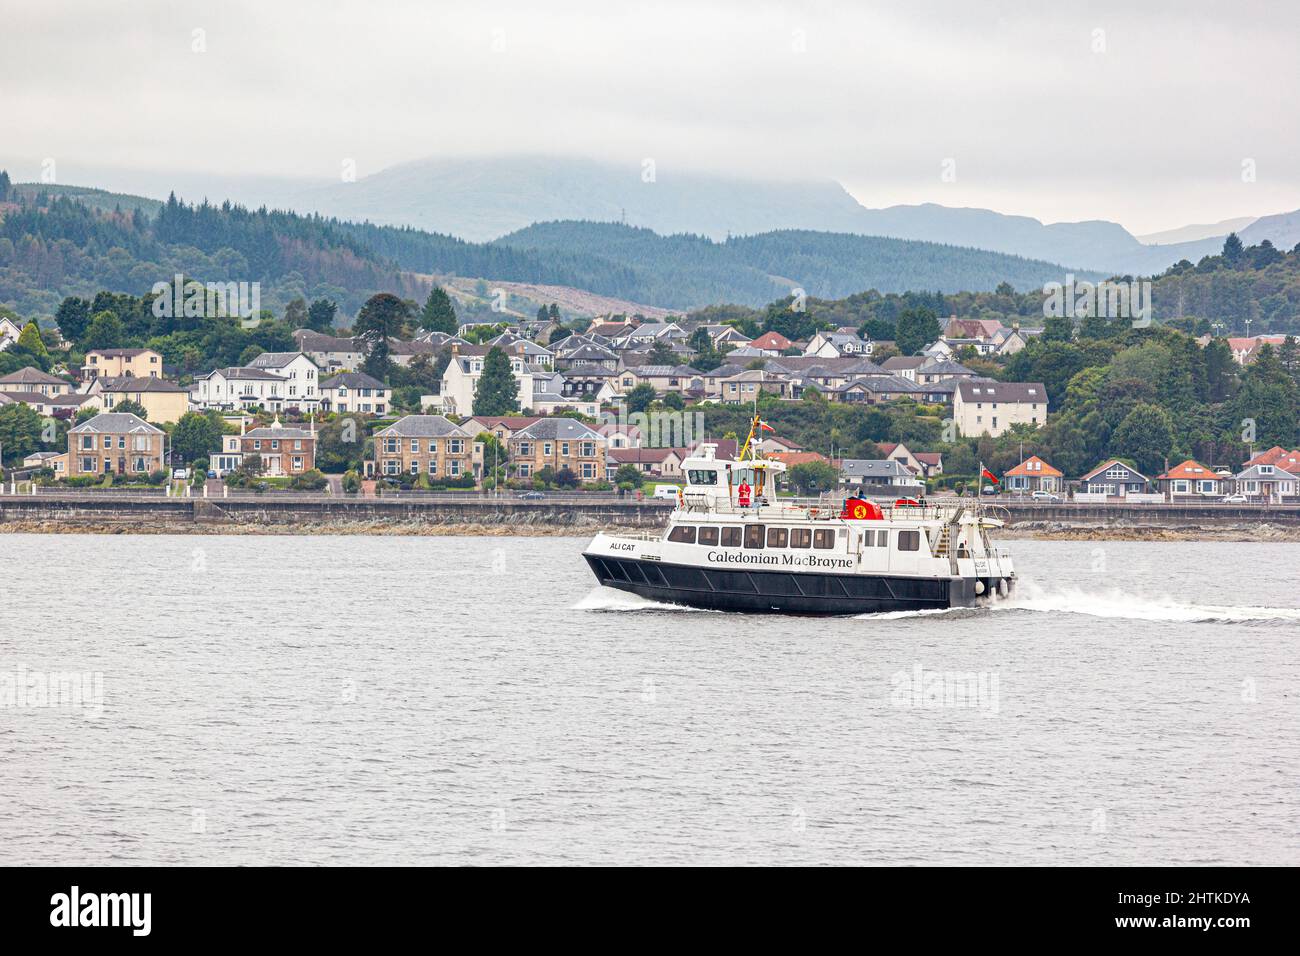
point(545, 404)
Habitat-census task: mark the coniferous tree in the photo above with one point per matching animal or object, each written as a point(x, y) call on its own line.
point(5, 185)
point(320, 316)
point(439, 314)
point(497, 392)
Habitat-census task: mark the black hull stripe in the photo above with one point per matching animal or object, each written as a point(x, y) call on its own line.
point(725, 589)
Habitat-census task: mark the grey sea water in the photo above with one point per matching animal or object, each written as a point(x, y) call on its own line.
point(295, 700)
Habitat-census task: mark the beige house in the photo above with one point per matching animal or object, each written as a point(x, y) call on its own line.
point(115, 443)
point(425, 445)
point(560, 443)
point(991, 408)
point(162, 400)
point(115, 363)
point(34, 380)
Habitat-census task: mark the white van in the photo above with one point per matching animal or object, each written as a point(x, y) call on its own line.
point(667, 491)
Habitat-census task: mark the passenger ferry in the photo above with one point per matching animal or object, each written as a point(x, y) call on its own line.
point(725, 550)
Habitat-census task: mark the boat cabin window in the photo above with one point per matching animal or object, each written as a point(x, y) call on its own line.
point(776, 537)
point(875, 539)
point(708, 535)
point(801, 537)
point(683, 533)
point(753, 535)
point(824, 538)
point(909, 540)
point(730, 537)
point(702, 477)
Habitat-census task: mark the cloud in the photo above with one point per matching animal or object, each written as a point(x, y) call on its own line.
point(1102, 111)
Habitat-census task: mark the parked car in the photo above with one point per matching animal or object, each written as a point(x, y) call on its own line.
point(1045, 496)
point(211, 473)
point(532, 495)
point(1236, 498)
point(180, 474)
point(667, 491)
point(989, 490)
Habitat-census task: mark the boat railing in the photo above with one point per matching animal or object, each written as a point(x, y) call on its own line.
point(826, 508)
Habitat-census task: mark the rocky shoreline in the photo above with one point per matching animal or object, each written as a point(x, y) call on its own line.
point(1026, 530)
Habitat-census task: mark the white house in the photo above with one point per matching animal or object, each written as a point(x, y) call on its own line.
point(990, 408)
point(274, 381)
point(355, 392)
point(836, 345)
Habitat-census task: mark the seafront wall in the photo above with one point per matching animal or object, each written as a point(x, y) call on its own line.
point(120, 512)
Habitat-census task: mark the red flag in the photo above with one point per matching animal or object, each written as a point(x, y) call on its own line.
point(990, 476)
point(765, 426)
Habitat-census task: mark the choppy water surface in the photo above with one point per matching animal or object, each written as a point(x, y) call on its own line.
point(477, 700)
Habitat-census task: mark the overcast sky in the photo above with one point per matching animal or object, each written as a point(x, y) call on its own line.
point(1061, 111)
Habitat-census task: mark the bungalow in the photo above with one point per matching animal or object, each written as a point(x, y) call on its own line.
point(931, 463)
point(1190, 481)
point(1033, 474)
point(836, 345)
point(874, 389)
point(771, 344)
point(897, 451)
point(53, 460)
point(648, 461)
point(1266, 483)
point(773, 444)
point(1114, 479)
point(885, 477)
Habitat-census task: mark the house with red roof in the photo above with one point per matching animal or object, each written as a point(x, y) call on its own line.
point(771, 343)
point(1190, 481)
point(1033, 474)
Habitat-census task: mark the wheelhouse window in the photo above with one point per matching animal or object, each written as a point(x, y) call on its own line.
point(683, 534)
point(702, 476)
point(824, 538)
point(876, 539)
point(801, 537)
point(777, 537)
point(754, 535)
point(708, 535)
point(909, 541)
point(730, 537)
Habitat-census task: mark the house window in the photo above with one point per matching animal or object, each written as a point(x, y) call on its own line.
point(453, 466)
point(87, 442)
point(390, 445)
point(525, 470)
point(546, 449)
point(415, 444)
point(433, 466)
point(588, 449)
point(415, 467)
point(297, 462)
point(588, 470)
point(455, 446)
point(391, 466)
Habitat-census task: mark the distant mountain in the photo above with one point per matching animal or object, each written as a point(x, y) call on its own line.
point(483, 199)
point(1211, 230)
point(684, 271)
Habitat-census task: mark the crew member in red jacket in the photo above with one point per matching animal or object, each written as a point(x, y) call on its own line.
point(743, 494)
